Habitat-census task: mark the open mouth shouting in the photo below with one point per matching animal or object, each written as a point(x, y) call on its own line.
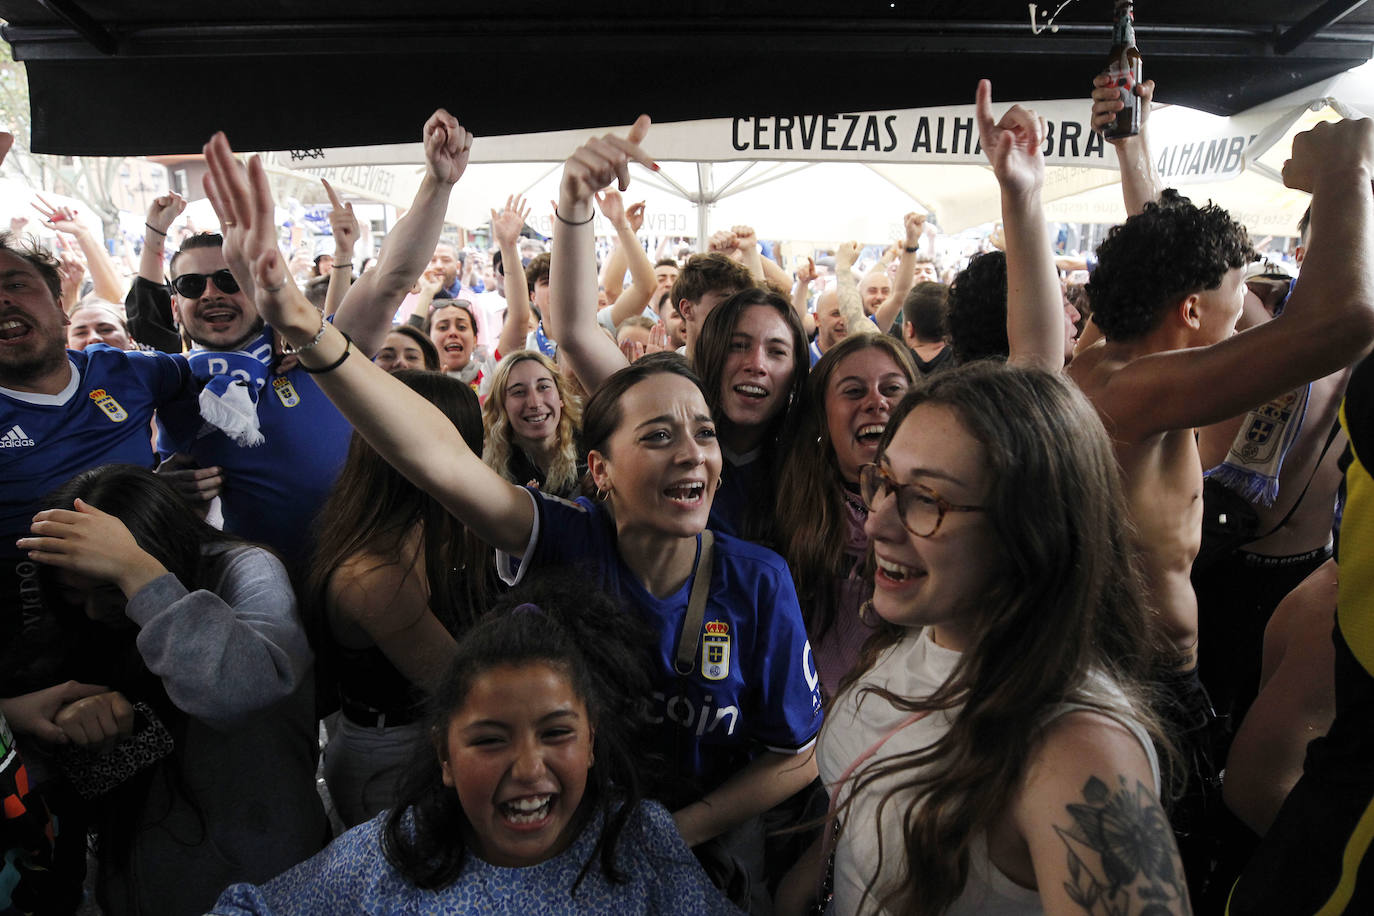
point(12, 328)
point(869, 434)
point(755, 392)
point(689, 493)
point(219, 316)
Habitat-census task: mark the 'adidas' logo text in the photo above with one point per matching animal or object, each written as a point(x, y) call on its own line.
point(15, 438)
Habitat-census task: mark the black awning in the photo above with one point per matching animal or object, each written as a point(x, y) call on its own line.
point(111, 77)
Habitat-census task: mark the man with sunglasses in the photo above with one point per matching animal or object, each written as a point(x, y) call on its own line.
point(271, 491)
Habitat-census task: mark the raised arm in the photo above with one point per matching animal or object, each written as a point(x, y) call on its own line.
point(104, 278)
point(633, 300)
point(1327, 325)
point(1140, 183)
point(506, 227)
point(1035, 302)
point(161, 214)
point(801, 292)
point(913, 225)
point(346, 230)
point(405, 429)
point(592, 355)
point(847, 289)
point(367, 310)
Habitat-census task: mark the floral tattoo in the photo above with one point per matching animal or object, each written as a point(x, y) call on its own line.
point(1122, 858)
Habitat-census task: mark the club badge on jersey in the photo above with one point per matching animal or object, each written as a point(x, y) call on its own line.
point(112, 408)
point(285, 391)
point(715, 651)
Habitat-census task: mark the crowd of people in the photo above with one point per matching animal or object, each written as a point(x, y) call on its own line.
point(716, 590)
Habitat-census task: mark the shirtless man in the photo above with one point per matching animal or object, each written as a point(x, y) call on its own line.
point(1167, 292)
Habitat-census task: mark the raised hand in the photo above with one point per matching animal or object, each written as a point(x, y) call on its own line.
point(723, 241)
point(243, 202)
point(846, 255)
point(598, 162)
point(1107, 102)
point(92, 543)
point(1332, 147)
point(745, 238)
point(632, 349)
point(164, 210)
point(447, 147)
point(72, 271)
point(634, 214)
point(506, 224)
point(1013, 144)
point(17, 224)
point(612, 206)
point(60, 219)
point(806, 273)
point(914, 226)
point(342, 222)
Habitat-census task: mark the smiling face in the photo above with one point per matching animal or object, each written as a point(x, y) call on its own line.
point(937, 581)
point(661, 466)
point(97, 325)
point(859, 397)
point(399, 352)
point(830, 323)
point(875, 288)
point(452, 333)
point(33, 338)
point(532, 403)
point(517, 753)
point(216, 320)
point(758, 368)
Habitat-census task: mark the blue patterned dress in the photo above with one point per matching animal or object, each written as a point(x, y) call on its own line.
point(353, 876)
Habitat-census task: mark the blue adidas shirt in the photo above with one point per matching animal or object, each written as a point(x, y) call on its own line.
point(753, 684)
point(272, 491)
point(102, 417)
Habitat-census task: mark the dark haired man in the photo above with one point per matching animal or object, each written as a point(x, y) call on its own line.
point(1166, 296)
point(923, 330)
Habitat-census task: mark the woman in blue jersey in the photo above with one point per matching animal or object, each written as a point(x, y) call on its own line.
point(735, 693)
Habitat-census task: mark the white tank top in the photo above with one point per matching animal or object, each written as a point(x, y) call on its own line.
point(914, 667)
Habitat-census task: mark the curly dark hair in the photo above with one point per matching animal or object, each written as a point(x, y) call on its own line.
point(1169, 250)
point(977, 313)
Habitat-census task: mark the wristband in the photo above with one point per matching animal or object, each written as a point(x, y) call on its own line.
point(156, 229)
point(348, 348)
point(911, 250)
point(347, 265)
point(567, 222)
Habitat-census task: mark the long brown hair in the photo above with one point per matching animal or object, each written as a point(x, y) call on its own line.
point(1067, 610)
point(373, 509)
point(810, 513)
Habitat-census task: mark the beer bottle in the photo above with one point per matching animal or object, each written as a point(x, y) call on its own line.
point(1123, 66)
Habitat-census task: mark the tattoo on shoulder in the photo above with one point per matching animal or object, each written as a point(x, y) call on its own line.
point(1122, 856)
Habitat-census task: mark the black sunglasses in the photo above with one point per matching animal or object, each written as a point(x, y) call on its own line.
point(192, 286)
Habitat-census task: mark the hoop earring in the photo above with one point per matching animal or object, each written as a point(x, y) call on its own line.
point(867, 615)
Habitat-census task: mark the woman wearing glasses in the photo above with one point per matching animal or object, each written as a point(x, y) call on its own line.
point(995, 753)
point(842, 415)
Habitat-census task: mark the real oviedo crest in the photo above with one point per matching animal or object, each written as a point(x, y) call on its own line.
point(715, 651)
point(286, 392)
point(112, 408)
